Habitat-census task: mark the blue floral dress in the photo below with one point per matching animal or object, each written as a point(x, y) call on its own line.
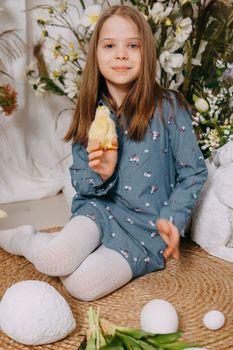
point(159, 177)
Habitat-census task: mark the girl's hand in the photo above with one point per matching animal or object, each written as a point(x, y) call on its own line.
point(171, 237)
point(103, 162)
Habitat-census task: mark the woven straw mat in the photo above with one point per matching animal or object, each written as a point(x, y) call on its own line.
point(195, 284)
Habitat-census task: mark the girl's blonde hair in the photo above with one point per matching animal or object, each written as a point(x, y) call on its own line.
point(139, 104)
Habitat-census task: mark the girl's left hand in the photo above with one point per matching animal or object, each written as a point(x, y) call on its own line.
point(171, 237)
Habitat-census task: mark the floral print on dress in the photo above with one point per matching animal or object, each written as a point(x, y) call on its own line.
point(130, 221)
point(125, 253)
point(147, 260)
point(153, 189)
point(152, 223)
point(134, 159)
point(128, 188)
point(147, 174)
point(154, 234)
point(182, 129)
point(170, 118)
point(155, 135)
point(91, 216)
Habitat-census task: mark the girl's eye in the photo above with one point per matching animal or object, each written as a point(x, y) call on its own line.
point(133, 45)
point(108, 46)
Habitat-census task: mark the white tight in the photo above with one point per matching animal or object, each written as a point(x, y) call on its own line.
point(87, 269)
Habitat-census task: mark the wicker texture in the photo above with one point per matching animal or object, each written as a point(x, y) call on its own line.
point(195, 284)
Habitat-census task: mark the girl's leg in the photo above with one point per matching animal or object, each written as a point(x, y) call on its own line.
point(54, 254)
point(102, 272)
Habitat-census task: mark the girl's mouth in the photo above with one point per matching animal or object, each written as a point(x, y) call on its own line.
point(120, 68)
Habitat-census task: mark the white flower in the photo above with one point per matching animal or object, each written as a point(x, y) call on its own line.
point(197, 60)
point(229, 65)
point(183, 29)
point(201, 105)
point(71, 88)
point(71, 84)
point(91, 16)
point(172, 63)
point(172, 44)
point(220, 64)
point(175, 83)
point(37, 86)
point(226, 132)
point(158, 13)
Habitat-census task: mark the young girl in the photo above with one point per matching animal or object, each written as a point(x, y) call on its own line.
point(133, 201)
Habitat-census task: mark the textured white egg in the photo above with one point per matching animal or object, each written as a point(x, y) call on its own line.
point(34, 313)
point(159, 316)
point(214, 320)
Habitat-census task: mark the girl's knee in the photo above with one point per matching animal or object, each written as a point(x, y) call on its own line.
point(86, 286)
point(82, 291)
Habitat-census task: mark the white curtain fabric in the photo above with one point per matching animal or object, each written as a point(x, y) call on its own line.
point(34, 159)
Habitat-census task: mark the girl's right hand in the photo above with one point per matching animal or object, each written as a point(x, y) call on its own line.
point(103, 162)
point(171, 236)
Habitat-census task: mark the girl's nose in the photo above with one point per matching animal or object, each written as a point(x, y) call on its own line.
point(121, 55)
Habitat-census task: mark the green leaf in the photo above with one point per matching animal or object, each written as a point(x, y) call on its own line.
point(83, 4)
point(114, 344)
point(179, 345)
point(167, 338)
point(129, 342)
point(91, 344)
point(83, 344)
point(219, 71)
point(195, 97)
point(145, 346)
point(51, 86)
point(134, 332)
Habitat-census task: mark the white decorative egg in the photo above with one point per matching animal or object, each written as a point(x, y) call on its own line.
point(34, 313)
point(214, 320)
point(159, 316)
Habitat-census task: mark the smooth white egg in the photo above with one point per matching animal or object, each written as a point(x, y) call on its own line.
point(34, 313)
point(214, 320)
point(159, 316)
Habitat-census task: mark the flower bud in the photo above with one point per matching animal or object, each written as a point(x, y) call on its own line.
point(201, 105)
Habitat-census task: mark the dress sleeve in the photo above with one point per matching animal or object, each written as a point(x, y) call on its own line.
point(86, 182)
point(189, 163)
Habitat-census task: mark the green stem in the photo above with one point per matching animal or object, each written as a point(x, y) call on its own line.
point(83, 4)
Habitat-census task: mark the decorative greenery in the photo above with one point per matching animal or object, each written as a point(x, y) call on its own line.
point(106, 336)
point(194, 42)
point(11, 46)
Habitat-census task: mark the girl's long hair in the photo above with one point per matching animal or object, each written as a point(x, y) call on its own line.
point(139, 104)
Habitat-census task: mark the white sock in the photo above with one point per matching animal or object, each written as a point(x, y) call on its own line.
point(54, 254)
point(101, 273)
point(10, 240)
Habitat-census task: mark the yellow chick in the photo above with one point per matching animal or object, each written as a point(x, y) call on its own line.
point(2, 214)
point(103, 128)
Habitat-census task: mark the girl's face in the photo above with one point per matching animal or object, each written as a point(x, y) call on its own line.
point(118, 53)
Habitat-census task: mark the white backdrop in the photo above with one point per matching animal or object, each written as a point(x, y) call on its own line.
point(34, 159)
